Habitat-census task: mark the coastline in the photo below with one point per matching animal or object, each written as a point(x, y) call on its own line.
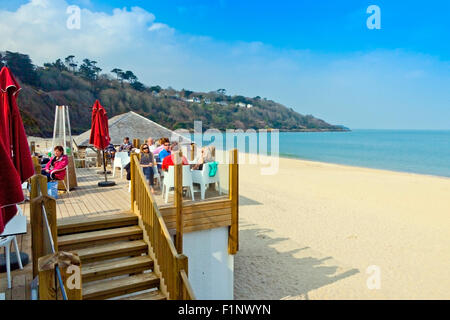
point(285, 156)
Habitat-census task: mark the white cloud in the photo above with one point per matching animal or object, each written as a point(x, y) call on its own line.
point(342, 89)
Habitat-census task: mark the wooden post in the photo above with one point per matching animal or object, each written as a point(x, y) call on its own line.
point(32, 147)
point(192, 151)
point(70, 266)
point(70, 269)
point(40, 245)
point(137, 143)
point(178, 201)
point(133, 179)
point(38, 186)
point(233, 234)
point(36, 165)
point(47, 286)
point(182, 264)
point(99, 158)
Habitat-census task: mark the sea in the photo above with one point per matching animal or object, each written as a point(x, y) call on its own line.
point(414, 151)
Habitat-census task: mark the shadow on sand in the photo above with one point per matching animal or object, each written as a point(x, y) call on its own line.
point(264, 272)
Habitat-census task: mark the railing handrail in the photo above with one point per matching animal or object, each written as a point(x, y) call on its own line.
point(52, 246)
point(169, 262)
point(189, 293)
point(158, 214)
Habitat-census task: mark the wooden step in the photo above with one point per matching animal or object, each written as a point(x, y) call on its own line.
point(109, 269)
point(91, 238)
point(95, 222)
point(119, 287)
point(153, 295)
point(112, 250)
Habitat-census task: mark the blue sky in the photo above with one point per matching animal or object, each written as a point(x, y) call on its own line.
point(317, 57)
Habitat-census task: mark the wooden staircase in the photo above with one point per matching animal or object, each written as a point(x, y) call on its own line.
point(114, 257)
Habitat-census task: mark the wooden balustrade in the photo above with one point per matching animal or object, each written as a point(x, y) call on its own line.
point(40, 242)
point(178, 201)
point(168, 263)
point(233, 234)
point(43, 258)
point(69, 265)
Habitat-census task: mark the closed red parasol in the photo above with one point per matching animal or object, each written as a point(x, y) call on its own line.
point(16, 164)
point(99, 128)
point(100, 135)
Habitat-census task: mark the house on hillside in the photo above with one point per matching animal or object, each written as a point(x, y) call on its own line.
point(241, 104)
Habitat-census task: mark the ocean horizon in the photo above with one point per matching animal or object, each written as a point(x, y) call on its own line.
point(414, 151)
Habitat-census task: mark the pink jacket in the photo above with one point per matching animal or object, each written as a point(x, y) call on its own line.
point(58, 167)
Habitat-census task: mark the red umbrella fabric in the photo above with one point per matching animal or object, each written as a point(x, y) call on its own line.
point(99, 129)
point(16, 165)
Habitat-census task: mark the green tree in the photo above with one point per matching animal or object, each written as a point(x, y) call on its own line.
point(130, 77)
point(118, 72)
point(70, 63)
point(139, 86)
point(22, 67)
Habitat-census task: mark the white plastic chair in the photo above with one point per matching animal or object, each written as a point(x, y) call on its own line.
point(6, 242)
point(121, 159)
point(25, 189)
point(157, 175)
point(203, 179)
point(169, 181)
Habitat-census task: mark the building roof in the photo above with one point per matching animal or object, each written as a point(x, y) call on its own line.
point(134, 126)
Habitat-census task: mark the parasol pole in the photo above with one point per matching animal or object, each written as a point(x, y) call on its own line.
point(104, 165)
point(105, 183)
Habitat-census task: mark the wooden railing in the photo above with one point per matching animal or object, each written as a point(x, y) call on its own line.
point(52, 267)
point(169, 264)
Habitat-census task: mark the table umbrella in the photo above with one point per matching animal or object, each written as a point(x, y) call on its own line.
point(16, 165)
point(100, 135)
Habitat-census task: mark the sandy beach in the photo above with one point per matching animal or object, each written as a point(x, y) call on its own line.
point(312, 231)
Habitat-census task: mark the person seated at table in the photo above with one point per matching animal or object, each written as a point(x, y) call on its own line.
point(170, 159)
point(111, 151)
point(126, 146)
point(162, 141)
point(205, 156)
point(165, 151)
point(147, 164)
point(55, 168)
point(151, 144)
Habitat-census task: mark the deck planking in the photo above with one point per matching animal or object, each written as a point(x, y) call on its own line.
point(88, 199)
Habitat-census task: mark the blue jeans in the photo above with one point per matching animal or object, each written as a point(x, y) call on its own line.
point(47, 174)
point(148, 171)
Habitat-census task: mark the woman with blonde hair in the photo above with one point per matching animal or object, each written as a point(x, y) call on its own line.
point(206, 155)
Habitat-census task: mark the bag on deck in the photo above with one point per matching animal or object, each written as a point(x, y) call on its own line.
point(212, 168)
point(52, 189)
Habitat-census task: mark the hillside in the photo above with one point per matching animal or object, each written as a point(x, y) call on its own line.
point(66, 83)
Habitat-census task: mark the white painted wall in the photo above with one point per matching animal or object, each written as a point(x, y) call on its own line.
point(210, 266)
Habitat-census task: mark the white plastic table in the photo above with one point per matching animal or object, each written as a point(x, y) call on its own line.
point(15, 226)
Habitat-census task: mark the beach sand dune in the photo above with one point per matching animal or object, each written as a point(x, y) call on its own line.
point(321, 231)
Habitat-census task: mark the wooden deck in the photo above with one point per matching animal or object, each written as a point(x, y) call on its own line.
point(86, 200)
